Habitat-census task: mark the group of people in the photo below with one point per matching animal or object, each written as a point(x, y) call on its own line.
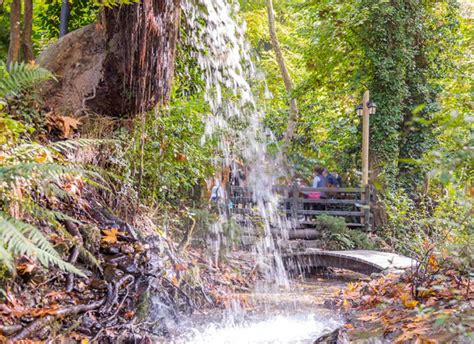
point(324, 179)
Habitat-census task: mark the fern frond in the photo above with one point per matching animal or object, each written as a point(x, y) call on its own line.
point(111, 3)
point(6, 258)
point(43, 171)
point(20, 238)
point(31, 150)
point(41, 213)
point(67, 146)
point(53, 217)
point(20, 76)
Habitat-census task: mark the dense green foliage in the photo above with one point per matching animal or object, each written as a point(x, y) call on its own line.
point(407, 53)
point(175, 163)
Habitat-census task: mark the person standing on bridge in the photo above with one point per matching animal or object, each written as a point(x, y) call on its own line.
point(217, 193)
point(317, 176)
point(337, 180)
point(323, 182)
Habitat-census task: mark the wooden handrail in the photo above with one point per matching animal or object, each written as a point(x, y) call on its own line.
point(280, 188)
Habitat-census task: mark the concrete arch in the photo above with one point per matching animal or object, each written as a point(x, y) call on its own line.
point(363, 261)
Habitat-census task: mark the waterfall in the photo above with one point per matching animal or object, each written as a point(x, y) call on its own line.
point(222, 52)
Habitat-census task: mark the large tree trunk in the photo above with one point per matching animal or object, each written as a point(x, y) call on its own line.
point(15, 33)
point(121, 65)
point(28, 31)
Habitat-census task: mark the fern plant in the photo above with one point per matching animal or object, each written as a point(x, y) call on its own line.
point(18, 76)
point(31, 176)
point(111, 3)
point(20, 238)
point(34, 180)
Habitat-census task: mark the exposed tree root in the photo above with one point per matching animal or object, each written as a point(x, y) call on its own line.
point(41, 322)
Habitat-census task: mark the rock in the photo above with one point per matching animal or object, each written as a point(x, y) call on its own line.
point(129, 266)
point(330, 303)
point(375, 275)
point(338, 336)
point(112, 274)
point(127, 249)
point(110, 250)
point(98, 284)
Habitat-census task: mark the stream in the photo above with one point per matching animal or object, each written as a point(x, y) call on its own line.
point(294, 315)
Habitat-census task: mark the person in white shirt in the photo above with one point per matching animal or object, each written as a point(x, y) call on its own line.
point(317, 177)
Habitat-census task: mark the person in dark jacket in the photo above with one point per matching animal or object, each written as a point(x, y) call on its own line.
point(336, 179)
point(324, 181)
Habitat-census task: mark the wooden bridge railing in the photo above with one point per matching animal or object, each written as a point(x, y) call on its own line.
point(351, 203)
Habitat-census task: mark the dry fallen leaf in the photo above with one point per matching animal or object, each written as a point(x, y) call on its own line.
point(69, 124)
point(180, 267)
point(65, 124)
point(25, 268)
point(110, 235)
point(41, 312)
point(129, 315)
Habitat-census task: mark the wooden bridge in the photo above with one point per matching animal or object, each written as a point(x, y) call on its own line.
point(352, 204)
point(301, 253)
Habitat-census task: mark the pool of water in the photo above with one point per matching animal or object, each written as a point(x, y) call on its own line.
point(281, 328)
point(297, 316)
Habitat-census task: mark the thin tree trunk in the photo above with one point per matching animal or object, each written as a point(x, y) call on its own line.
point(64, 18)
point(15, 34)
point(28, 31)
point(293, 117)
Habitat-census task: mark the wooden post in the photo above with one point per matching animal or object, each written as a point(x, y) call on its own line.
point(365, 158)
point(64, 18)
point(367, 207)
point(365, 140)
point(294, 204)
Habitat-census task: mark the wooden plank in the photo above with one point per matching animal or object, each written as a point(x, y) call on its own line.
point(294, 205)
point(240, 199)
point(335, 190)
point(328, 212)
point(367, 209)
point(278, 188)
point(347, 224)
point(241, 211)
point(355, 225)
point(326, 201)
point(307, 234)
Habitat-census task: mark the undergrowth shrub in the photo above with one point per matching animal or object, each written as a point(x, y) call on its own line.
point(172, 162)
point(443, 218)
point(336, 235)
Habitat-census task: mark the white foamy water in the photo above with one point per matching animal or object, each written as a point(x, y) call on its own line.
point(303, 328)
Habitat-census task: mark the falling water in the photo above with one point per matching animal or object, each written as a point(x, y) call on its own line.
point(223, 54)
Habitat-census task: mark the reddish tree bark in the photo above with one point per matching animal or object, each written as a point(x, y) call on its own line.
point(121, 65)
point(15, 33)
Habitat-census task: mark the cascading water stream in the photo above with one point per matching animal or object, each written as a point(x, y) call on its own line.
point(222, 53)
